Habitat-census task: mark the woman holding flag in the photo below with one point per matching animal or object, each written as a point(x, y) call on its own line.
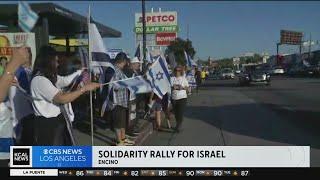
point(49, 124)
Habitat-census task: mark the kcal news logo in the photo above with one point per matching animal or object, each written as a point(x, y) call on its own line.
point(21, 156)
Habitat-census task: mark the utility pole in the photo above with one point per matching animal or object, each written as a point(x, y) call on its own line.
point(278, 44)
point(144, 35)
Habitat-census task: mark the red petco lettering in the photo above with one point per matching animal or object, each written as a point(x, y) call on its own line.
point(158, 19)
point(165, 38)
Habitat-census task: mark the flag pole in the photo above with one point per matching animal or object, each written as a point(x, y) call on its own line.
point(121, 80)
point(90, 70)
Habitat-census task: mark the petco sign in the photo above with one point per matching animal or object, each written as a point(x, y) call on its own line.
point(164, 39)
point(157, 19)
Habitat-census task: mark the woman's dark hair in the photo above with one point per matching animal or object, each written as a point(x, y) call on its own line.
point(121, 57)
point(45, 64)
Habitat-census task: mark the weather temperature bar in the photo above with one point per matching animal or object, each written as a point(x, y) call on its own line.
point(155, 172)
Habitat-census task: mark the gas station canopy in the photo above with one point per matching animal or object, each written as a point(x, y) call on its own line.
point(61, 21)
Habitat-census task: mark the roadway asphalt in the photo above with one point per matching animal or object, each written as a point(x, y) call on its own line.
point(222, 113)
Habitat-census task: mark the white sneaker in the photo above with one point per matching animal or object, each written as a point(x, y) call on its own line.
point(128, 142)
point(121, 144)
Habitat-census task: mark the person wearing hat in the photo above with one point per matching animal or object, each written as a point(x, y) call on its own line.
point(132, 70)
point(135, 66)
point(180, 87)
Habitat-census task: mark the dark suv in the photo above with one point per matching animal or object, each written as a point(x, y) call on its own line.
point(254, 74)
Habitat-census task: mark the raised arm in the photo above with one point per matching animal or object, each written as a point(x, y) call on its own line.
point(19, 57)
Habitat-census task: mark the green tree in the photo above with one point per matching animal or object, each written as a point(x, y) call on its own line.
point(178, 47)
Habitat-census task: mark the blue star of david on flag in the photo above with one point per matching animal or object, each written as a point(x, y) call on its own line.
point(159, 76)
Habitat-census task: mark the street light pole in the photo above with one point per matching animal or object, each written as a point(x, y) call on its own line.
point(144, 35)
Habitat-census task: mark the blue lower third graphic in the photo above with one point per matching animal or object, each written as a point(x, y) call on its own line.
point(61, 156)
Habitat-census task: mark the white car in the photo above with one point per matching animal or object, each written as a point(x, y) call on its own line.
point(277, 70)
point(227, 74)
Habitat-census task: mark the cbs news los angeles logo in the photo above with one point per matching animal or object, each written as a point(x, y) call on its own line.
point(20, 156)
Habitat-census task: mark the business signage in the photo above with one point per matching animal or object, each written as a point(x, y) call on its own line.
point(150, 39)
point(164, 39)
point(291, 37)
point(8, 41)
point(236, 60)
point(168, 18)
point(157, 29)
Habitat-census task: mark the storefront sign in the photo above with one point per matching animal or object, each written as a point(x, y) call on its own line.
point(157, 29)
point(165, 39)
point(10, 40)
point(157, 19)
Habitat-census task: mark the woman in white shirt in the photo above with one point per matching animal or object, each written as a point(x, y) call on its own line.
point(180, 87)
point(49, 125)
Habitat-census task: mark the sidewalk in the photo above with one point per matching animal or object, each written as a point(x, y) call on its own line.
point(103, 136)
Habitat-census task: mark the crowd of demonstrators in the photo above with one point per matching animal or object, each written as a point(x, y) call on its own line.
point(45, 95)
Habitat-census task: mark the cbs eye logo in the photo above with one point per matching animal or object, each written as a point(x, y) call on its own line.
point(21, 156)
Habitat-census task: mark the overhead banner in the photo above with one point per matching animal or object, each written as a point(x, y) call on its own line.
point(158, 156)
point(11, 40)
point(168, 18)
point(164, 39)
point(157, 29)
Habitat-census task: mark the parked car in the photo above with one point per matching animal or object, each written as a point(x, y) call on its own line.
point(313, 70)
point(227, 73)
point(238, 71)
point(277, 71)
point(303, 71)
point(254, 74)
point(296, 71)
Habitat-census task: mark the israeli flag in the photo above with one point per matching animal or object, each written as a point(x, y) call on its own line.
point(172, 60)
point(97, 48)
point(136, 85)
point(149, 58)
point(189, 61)
point(159, 77)
point(26, 17)
point(84, 56)
point(137, 53)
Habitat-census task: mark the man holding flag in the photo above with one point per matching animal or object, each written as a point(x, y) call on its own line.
point(119, 101)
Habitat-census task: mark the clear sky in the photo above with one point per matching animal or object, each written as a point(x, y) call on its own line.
point(217, 29)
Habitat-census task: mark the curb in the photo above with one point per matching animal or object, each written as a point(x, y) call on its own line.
point(147, 130)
